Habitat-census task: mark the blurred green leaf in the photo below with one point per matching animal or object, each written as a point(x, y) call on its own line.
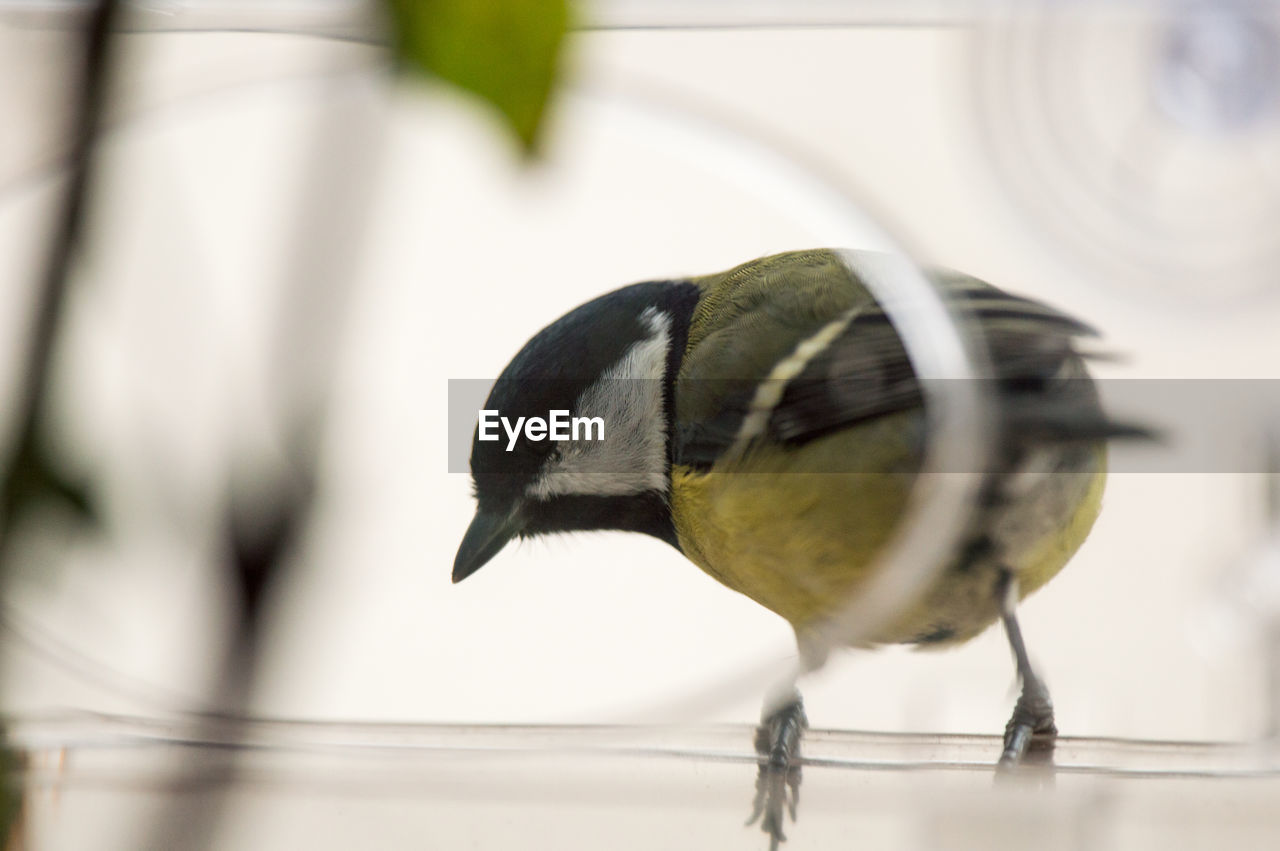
point(34, 480)
point(506, 51)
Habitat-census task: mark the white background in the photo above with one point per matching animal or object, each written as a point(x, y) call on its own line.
point(465, 254)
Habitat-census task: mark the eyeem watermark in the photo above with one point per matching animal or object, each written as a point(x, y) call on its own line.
point(557, 426)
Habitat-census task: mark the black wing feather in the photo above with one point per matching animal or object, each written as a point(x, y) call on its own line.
point(1041, 386)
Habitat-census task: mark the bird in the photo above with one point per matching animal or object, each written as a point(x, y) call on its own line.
point(767, 422)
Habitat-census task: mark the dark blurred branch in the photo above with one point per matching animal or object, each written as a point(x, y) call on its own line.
point(259, 545)
point(29, 476)
point(266, 516)
point(27, 463)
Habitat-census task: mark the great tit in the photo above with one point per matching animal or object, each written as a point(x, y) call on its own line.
point(768, 424)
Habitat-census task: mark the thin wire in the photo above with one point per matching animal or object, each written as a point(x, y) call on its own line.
point(840, 749)
point(349, 21)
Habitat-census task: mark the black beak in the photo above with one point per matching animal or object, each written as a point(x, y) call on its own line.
point(485, 538)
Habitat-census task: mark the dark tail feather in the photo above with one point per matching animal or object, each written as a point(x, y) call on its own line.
point(1050, 424)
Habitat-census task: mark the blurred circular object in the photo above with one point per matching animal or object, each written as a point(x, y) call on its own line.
point(1218, 69)
point(1141, 137)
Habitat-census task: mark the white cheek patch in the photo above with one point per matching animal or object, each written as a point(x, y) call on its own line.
point(632, 456)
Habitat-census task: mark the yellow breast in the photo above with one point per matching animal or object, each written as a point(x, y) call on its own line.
point(802, 542)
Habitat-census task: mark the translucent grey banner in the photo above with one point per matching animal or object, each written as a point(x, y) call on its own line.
point(1198, 425)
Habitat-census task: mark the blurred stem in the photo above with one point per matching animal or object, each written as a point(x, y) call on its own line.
point(87, 109)
point(267, 514)
point(68, 229)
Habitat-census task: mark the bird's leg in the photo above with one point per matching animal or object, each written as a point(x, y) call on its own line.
point(782, 724)
point(1029, 736)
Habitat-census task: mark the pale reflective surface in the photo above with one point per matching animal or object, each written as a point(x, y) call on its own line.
point(94, 780)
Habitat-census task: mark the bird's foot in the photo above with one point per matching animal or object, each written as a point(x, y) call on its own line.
point(1030, 735)
point(778, 745)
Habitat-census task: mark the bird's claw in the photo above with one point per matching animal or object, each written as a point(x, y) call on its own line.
point(772, 799)
point(778, 778)
point(1030, 734)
